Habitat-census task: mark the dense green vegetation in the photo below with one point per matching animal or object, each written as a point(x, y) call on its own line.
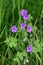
point(13, 45)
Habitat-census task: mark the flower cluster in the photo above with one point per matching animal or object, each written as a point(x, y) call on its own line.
point(29, 29)
point(24, 14)
point(23, 25)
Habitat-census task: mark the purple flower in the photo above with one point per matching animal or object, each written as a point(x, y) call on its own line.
point(23, 12)
point(23, 25)
point(29, 29)
point(14, 28)
point(29, 49)
point(25, 17)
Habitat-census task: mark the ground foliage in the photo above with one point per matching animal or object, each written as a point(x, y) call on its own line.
point(13, 45)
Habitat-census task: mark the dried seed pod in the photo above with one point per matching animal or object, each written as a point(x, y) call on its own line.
point(26, 61)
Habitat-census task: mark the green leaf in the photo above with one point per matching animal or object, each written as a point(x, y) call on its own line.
point(30, 17)
point(34, 28)
point(20, 55)
point(36, 47)
point(13, 42)
point(24, 34)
